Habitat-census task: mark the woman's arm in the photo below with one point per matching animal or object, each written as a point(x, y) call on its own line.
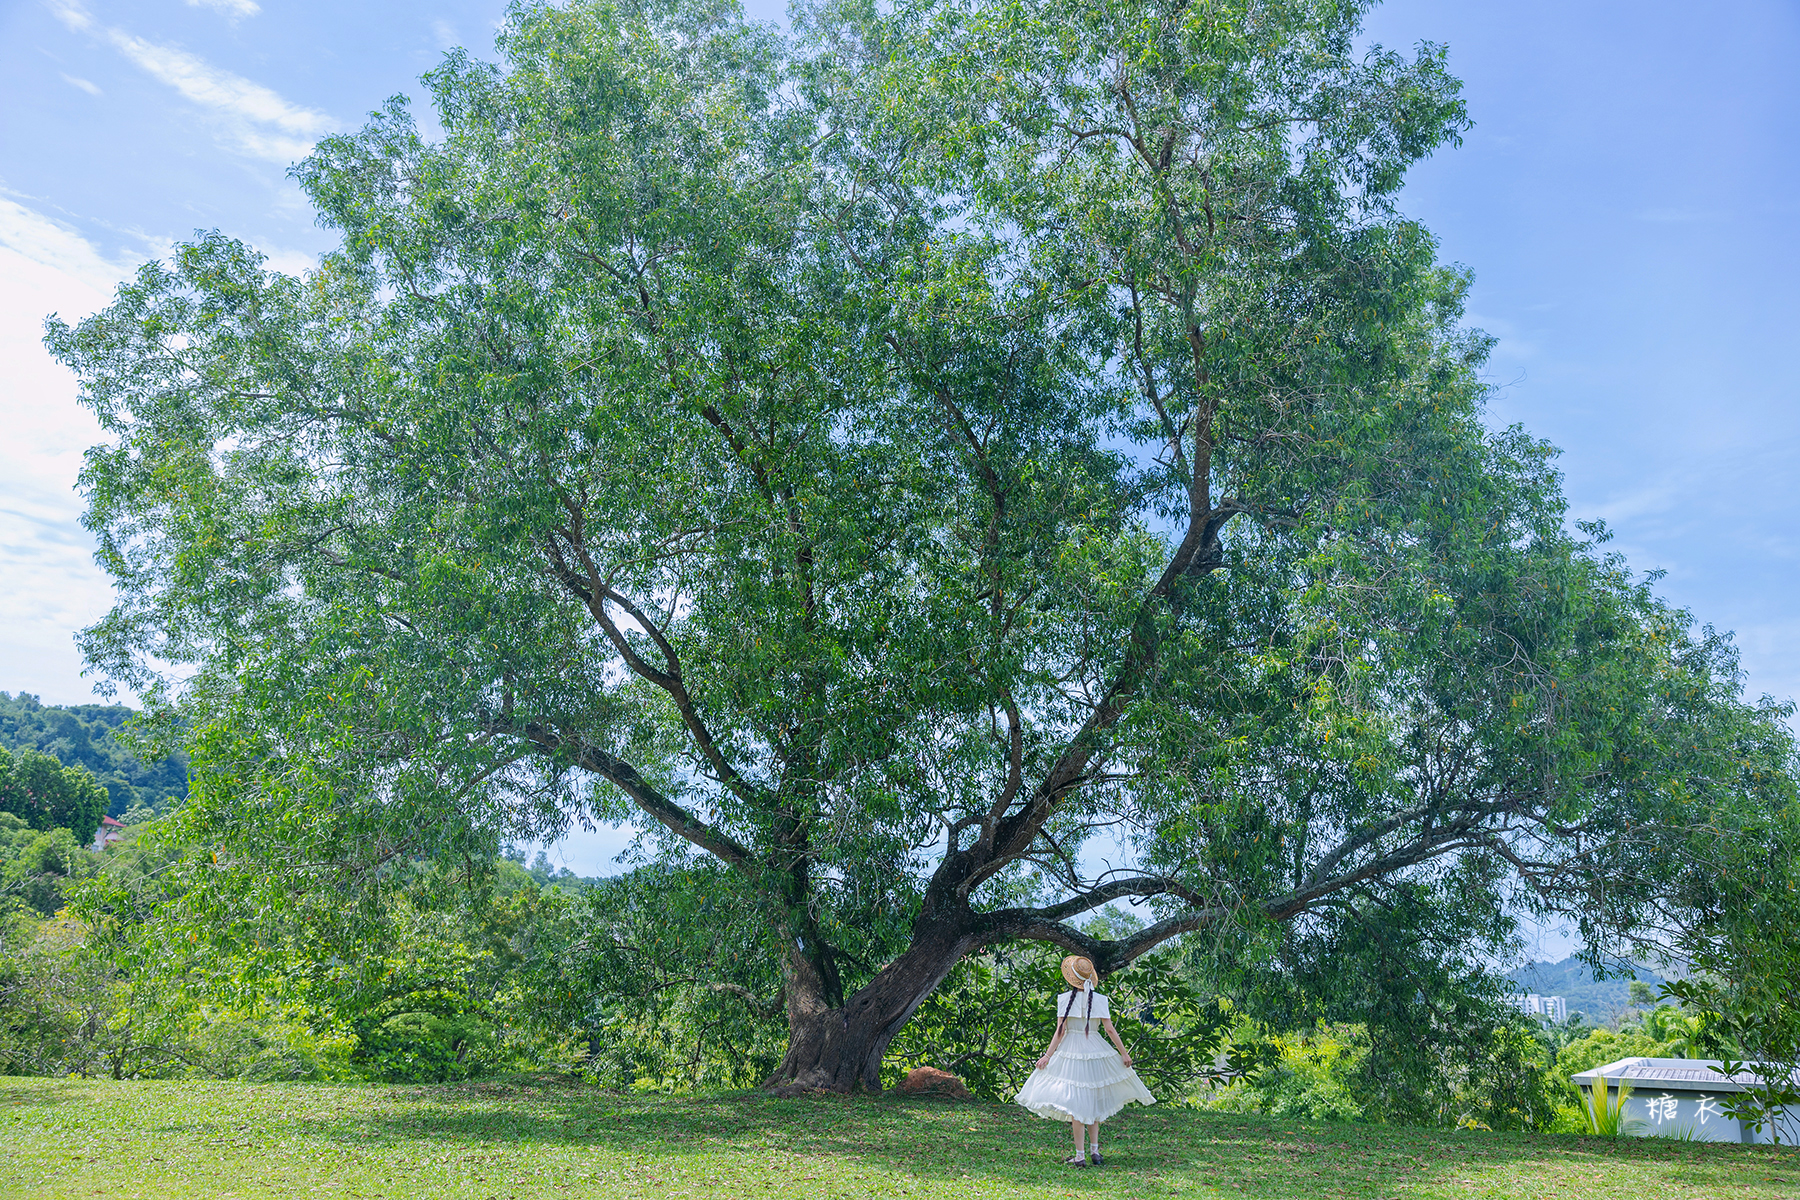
point(1106, 1024)
point(1054, 1043)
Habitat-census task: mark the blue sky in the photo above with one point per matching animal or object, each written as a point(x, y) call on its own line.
point(1628, 201)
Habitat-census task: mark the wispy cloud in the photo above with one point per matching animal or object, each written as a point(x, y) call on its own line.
point(1770, 658)
point(231, 8)
point(252, 119)
point(49, 584)
point(1659, 494)
point(52, 245)
point(52, 585)
point(256, 119)
point(72, 13)
point(88, 86)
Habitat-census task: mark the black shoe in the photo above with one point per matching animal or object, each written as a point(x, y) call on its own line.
point(1074, 1162)
point(1095, 1159)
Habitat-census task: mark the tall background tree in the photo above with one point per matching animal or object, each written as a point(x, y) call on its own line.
point(881, 467)
point(44, 794)
point(89, 735)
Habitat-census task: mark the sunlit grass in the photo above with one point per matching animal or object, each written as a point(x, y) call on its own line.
point(68, 1138)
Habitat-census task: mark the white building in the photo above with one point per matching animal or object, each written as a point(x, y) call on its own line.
point(1684, 1098)
point(1534, 1005)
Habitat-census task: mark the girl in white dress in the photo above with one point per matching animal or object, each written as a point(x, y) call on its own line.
point(1080, 1079)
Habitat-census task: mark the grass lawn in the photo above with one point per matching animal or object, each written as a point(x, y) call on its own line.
point(67, 1138)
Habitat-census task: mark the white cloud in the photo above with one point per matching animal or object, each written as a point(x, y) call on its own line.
point(231, 8)
point(87, 86)
point(259, 121)
point(1513, 341)
point(1652, 496)
point(1771, 660)
point(254, 120)
point(40, 244)
point(72, 14)
point(52, 586)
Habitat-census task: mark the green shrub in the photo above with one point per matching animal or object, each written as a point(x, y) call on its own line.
point(424, 1038)
point(1512, 1086)
point(36, 868)
point(1605, 1046)
point(1309, 1078)
point(265, 1048)
point(48, 795)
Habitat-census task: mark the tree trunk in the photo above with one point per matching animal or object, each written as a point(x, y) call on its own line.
point(840, 1049)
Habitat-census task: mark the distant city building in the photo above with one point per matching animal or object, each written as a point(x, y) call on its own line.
point(1551, 1008)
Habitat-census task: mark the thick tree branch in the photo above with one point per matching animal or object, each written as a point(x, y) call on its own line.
point(1367, 836)
point(1015, 763)
point(1108, 955)
point(627, 779)
point(595, 594)
point(1198, 554)
point(1432, 843)
point(1046, 924)
point(1106, 893)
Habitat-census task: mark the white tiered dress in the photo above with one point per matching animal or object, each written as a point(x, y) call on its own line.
point(1086, 1080)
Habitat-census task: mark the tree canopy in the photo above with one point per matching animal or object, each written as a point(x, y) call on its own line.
point(882, 465)
point(87, 735)
point(46, 795)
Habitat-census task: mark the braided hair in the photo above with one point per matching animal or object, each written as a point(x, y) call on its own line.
point(1087, 985)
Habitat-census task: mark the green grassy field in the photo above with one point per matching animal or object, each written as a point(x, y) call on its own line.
point(68, 1138)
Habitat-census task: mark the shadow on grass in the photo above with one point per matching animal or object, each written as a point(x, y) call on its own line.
point(1004, 1145)
point(25, 1092)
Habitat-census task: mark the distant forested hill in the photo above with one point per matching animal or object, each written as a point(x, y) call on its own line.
point(82, 735)
point(1600, 1000)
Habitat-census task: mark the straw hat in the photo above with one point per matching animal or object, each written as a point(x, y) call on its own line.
point(1079, 972)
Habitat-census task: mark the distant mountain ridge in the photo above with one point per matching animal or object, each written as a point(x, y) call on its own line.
point(82, 735)
point(1599, 1000)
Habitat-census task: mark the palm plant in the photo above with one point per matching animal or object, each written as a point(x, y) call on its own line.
point(1604, 1109)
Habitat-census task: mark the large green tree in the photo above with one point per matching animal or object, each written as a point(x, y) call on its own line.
point(881, 466)
point(47, 795)
point(1744, 967)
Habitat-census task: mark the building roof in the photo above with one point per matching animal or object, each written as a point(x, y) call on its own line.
point(1669, 1074)
point(108, 821)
